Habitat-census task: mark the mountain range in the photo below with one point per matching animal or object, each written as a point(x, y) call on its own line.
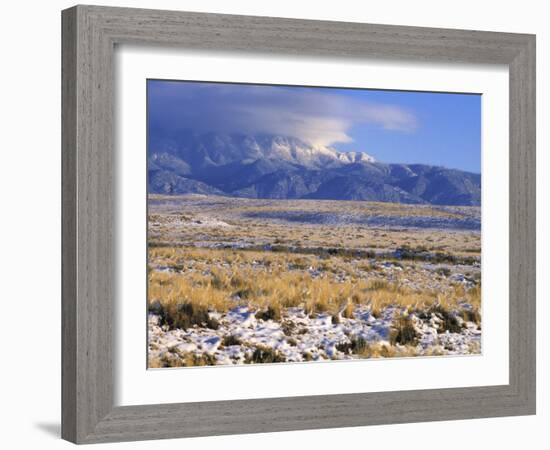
point(281, 167)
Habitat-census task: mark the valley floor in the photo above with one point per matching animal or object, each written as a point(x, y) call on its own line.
point(234, 281)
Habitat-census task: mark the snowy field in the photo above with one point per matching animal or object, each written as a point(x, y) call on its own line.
point(238, 281)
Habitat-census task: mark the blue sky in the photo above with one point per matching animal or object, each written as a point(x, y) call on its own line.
point(393, 126)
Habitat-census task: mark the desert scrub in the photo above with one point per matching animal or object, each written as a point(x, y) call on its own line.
point(471, 315)
point(175, 359)
point(208, 255)
point(231, 339)
point(450, 321)
point(264, 354)
point(183, 315)
point(273, 312)
point(360, 347)
point(222, 288)
point(443, 271)
point(220, 279)
point(170, 227)
point(403, 332)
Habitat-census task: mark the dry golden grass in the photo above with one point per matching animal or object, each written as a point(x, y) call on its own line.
point(222, 279)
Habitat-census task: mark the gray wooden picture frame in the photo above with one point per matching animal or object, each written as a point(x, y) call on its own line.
point(89, 36)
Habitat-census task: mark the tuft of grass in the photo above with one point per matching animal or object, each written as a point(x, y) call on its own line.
point(288, 327)
point(356, 345)
point(183, 315)
point(403, 332)
point(363, 349)
point(273, 312)
point(471, 315)
point(443, 271)
point(378, 285)
point(348, 310)
point(231, 340)
point(265, 355)
point(359, 345)
point(174, 359)
point(449, 319)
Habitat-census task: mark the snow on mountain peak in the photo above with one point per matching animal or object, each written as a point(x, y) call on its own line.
point(354, 157)
point(217, 149)
point(297, 151)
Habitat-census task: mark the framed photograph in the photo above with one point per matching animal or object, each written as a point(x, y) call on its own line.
point(276, 224)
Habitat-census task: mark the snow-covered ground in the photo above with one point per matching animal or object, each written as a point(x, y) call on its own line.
point(299, 337)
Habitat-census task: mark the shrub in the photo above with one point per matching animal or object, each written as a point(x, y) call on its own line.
point(449, 320)
point(471, 315)
point(359, 345)
point(265, 355)
point(404, 332)
point(231, 340)
point(169, 359)
point(273, 312)
point(444, 271)
point(288, 327)
point(183, 315)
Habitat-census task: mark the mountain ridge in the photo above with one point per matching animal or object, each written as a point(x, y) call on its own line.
point(265, 166)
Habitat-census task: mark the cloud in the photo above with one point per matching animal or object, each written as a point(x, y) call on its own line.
point(320, 116)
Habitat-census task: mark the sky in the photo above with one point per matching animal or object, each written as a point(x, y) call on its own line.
point(442, 129)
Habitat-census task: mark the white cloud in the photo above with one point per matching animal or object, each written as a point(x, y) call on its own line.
point(318, 116)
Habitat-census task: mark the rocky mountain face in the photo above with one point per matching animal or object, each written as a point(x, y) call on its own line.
point(282, 167)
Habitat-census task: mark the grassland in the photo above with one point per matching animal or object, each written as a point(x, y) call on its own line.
point(249, 281)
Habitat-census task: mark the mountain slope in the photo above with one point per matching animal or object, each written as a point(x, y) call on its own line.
point(282, 167)
point(164, 182)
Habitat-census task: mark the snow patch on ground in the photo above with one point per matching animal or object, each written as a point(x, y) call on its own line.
point(300, 337)
point(460, 222)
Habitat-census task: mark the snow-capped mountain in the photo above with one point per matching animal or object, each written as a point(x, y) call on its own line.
point(266, 166)
point(215, 149)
